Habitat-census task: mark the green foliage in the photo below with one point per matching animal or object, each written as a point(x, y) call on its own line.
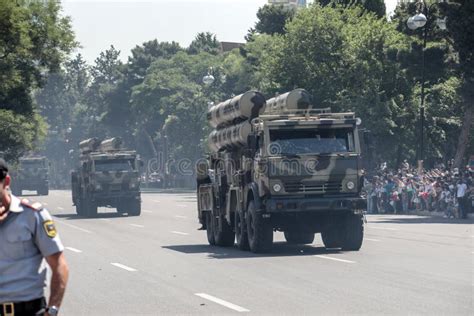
point(374, 6)
point(34, 40)
point(204, 42)
point(272, 19)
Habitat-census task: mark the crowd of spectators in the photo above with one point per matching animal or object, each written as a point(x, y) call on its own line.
point(406, 190)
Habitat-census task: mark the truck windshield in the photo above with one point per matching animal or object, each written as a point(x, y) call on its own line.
point(114, 165)
point(311, 141)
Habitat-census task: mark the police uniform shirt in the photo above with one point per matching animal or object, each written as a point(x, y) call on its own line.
point(27, 235)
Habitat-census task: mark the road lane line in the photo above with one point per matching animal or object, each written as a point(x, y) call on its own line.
point(179, 233)
point(181, 205)
point(60, 208)
point(75, 227)
point(73, 249)
point(180, 216)
point(45, 204)
point(104, 219)
point(147, 211)
point(371, 239)
point(335, 259)
point(136, 225)
point(119, 265)
point(156, 201)
point(384, 228)
point(219, 301)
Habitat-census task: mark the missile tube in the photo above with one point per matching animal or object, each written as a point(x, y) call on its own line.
point(298, 99)
point(242, 107)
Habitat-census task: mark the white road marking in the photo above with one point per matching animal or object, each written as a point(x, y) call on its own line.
point(214, 299)
point(180, 216)
point(136, 225)
point(104, 219)
point(156, 201)
point(384, 228)
point(45, 204)
point(119, 265)
point(181, 205)
point(370, 239)
point(60, 208)
point(147, 211)
point(335, 259)
point(74, 249)
point(179, 233)
point(75, 227)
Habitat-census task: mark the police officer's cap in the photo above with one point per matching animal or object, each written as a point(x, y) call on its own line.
point(3, 169)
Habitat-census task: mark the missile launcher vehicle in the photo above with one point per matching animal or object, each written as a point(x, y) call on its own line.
point(280, 165)
point(32, 174)
point(108, 176)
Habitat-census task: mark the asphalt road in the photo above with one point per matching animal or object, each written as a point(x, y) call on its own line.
point(159, 264)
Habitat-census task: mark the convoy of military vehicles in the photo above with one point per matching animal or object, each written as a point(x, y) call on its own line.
point(280, 165)
point(108, 176)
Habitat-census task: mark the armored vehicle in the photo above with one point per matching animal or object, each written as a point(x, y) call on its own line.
point(280, 165)
point(107, 175)
point(32, 174)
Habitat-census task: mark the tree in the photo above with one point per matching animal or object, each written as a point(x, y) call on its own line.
point(34, 40)
point(272, 19)
point(204, 42)
point(374, 6)
point(460, 19)
point(348, 60)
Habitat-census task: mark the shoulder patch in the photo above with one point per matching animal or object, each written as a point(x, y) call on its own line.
point(49, 228)
point(34, 206)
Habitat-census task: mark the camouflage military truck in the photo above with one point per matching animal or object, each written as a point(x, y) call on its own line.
point(32, 174)
point(280, 165)
point(108, 176)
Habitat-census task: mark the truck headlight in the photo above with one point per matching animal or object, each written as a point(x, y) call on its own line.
point(350, 185)
point(277, 187)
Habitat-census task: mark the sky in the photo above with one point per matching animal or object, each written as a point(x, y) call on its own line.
point(127, 23)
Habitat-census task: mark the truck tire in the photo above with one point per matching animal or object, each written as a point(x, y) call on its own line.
point(241, 236)
point(210, 229)
point(353, 233)
point(260, 233)
point(80, 207)
point(331, 237)
point(90, 208)
point(299, 238)
point(134, 207)
point(43, 191)
point(224, 237)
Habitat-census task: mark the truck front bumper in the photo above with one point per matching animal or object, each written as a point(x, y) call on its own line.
point(315, 204)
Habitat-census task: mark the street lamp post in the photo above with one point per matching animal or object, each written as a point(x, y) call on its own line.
point(422, 20)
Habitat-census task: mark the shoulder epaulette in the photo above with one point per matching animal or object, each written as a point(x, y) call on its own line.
point(37, 206)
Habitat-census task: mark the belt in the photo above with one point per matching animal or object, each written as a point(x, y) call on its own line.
point(22, 308)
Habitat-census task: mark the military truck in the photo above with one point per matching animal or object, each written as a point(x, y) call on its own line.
point(107, 175)
point(32, 174)
point(280, 165)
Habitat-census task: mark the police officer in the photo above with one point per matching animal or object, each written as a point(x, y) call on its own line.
point(27, 235)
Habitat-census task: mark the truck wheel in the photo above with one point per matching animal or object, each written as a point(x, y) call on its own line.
point(354, 232)
point(210, 229)
point(90, 208)
point(241, 236)
point(80, 207)
point(331, 237)
point(260, 233)
point(226, 237)
point(301, 238)
point(134, 207)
